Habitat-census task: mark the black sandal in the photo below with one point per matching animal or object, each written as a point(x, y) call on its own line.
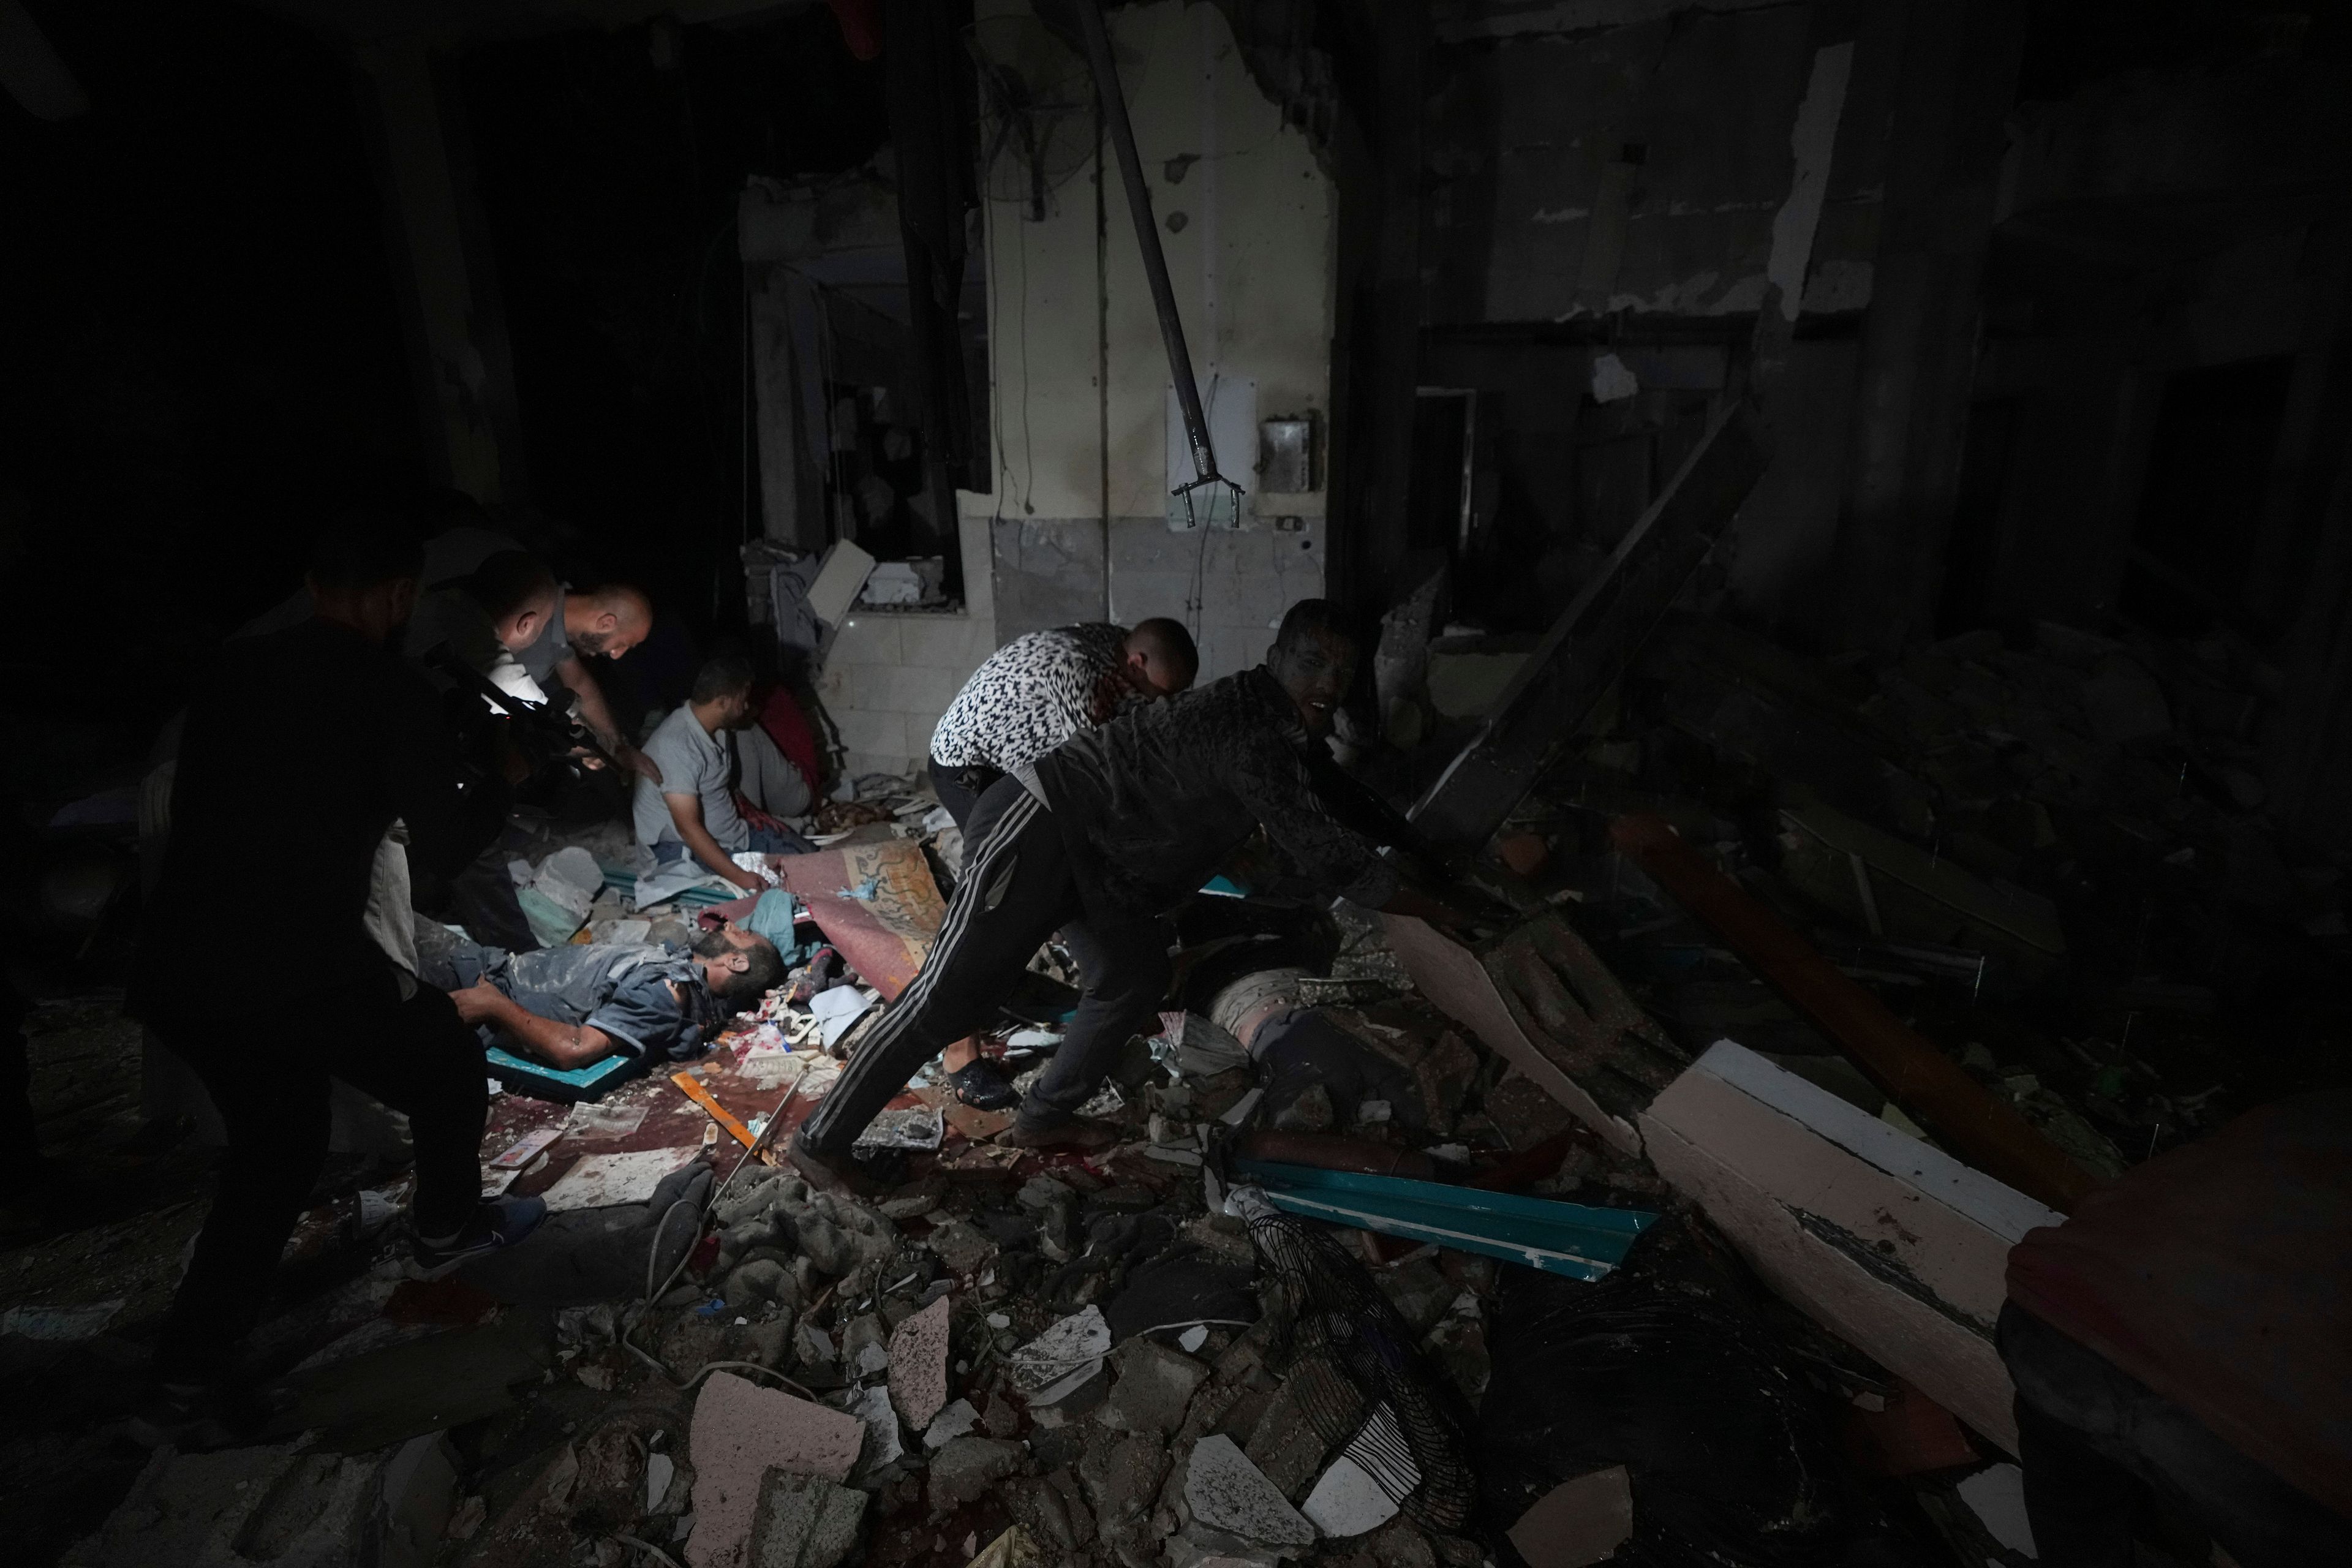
point(982, 1084)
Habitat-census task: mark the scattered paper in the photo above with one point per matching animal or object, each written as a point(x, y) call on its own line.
point(836, 1009)
point(518, 1154)
point(603, 1181)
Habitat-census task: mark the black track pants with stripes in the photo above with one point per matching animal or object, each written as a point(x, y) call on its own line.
point(1016, 891)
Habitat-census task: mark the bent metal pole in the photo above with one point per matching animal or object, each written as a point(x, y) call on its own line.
point(1147, 236)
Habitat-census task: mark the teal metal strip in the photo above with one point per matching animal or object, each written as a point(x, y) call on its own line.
point(547, 1082)
point(1573, 1239)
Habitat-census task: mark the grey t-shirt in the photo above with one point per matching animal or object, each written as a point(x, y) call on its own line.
point(650, 999)
point(622, 988)
point(692, 762)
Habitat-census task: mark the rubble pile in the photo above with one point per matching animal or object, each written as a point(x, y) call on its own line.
point(2051, 848)
point(1407, 1240)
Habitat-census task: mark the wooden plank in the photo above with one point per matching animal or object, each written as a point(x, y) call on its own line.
point(1928, 1084)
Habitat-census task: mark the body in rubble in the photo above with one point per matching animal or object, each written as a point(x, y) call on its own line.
point(1028, 697)
point(581, 1003)
point(1100, 838)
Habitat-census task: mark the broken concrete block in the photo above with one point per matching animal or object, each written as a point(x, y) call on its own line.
point(1057, 1362)
point(1286, 1445)
point(1579, 1522)
point(952, 1422)
point(277, 1505)
point(741, 1432)
point(1014, 1549)
point(1155, 1384)
point(1123, 1479)
point(803, 1521)
point(919, 1364)
point(1053, 1508)
point(968, 1466)
point(962, 1248)
point(1347, 1501)
point(1888, 1242)
point(1232, 1497)
point(873, 1410)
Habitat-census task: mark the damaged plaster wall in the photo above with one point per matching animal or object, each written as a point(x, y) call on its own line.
point(1246, 217)
point(1638, 168)
point(1661, 174)
point(888, 675)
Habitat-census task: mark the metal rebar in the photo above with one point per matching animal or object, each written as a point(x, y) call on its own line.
point(1147, 236)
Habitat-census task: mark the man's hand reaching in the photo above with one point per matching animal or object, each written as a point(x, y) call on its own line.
point(478, 1003)
point(637, 762)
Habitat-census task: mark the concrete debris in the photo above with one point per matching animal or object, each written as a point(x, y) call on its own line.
point(952, 1422)
point(1577, 1522)
point(1231, 1496)
point(967, 1467)
point(1014, 1549)
point(883, 1445)
point(805, 1521)
point(741, 1432)
point(282, 1505)
point(919, 1364)
point(1284, 1444)
point(962, 1248)
point(1053, 1508)
point(1154, 1387)
point(1122, 1479)
point(1093, 1346)
point(1058, 1360)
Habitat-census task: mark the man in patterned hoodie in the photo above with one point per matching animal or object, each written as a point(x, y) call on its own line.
point(1030, 696)
point(1100, 838)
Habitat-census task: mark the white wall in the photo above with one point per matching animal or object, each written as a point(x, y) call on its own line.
point(888, 677)
point(1250, 267)
point(1252, 271)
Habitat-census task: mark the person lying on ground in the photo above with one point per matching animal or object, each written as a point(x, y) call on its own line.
point(349, 738)
point(713, 763)
point(1100, 838)
point(580, 1003)
point(1025, 698)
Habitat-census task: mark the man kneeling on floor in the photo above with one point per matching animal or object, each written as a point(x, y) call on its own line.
point(1101, 837)
point(581, 1003)
point(714, 763)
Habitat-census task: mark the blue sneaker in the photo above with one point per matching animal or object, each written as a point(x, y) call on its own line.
point(500, 1223)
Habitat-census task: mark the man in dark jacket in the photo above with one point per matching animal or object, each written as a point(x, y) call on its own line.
point(1100, 838)
point(301, 749)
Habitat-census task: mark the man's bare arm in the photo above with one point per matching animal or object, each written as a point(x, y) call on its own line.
point(686, 811)
point(597, 714)
point(564, 1045)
